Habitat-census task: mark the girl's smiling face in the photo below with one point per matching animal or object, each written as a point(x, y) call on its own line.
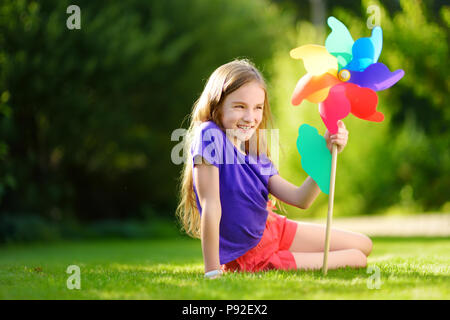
point(242, 111)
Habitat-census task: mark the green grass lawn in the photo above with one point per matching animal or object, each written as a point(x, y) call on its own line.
point(409, 268)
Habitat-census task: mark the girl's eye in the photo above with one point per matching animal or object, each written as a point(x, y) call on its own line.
point(239, 106)
point(260, 108)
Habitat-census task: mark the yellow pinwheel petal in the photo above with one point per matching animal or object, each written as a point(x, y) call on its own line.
point(316, 58)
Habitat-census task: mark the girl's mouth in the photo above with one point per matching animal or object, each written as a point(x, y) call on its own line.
point(245, 128)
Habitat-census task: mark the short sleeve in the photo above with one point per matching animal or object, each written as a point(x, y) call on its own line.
point(208, 142)
point(267, 168)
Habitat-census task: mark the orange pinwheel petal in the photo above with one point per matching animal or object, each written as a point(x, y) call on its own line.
point(313, 88)
point(318, 96)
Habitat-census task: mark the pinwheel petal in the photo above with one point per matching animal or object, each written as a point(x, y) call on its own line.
point(313, 88)
point(318, 96)
point(376, 117)
point(377, 41)
point(316, 58)
point(366, 51)
point(316, 158)
point(363, 53)
point(376, 77)
point(339, 42)
point(363, 102)
point(335, 107)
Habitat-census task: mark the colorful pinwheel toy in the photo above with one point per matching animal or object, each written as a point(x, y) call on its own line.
point(343, 78)
point(344, 75)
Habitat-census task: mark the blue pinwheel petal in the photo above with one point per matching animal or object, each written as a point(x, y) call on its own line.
point(363, 53)
point(376, 77)
point(366, 51)
point(377, 40)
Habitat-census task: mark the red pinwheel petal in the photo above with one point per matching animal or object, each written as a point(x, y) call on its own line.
point(335, 107)
point(376, 117)
point(363, 102)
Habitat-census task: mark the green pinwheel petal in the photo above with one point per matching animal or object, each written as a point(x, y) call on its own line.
point(316, 158)
point(339, 42)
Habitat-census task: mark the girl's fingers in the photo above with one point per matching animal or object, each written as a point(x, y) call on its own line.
point(341, 142)
point(342, 133)
point(339, 137)
point(341, 124)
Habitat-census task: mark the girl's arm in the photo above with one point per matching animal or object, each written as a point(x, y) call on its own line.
point(206, 177)
point(301, 197)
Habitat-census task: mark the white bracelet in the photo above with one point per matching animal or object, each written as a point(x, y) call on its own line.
point(213, 273)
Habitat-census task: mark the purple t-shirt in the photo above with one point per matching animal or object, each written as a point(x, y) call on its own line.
point(243, 183)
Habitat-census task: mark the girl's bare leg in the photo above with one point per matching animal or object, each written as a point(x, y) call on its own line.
point(310, 237)
point(336, 259)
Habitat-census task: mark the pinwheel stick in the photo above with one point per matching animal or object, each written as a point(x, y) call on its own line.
point(330, 208)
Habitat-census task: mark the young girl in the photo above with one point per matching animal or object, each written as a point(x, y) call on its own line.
point(227, 180)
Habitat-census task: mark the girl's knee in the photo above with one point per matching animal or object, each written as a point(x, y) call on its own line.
point(367, 245)
point(358, 258)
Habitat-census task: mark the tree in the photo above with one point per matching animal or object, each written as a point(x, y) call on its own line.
point(93, 109)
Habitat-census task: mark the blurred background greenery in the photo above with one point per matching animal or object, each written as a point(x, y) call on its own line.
point(86, 116)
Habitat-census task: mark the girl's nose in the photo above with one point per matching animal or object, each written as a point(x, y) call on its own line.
point(248, 116)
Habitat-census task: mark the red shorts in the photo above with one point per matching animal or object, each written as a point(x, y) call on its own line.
point(272, 252)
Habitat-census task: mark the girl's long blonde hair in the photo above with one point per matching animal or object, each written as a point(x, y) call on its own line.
point(223, 81)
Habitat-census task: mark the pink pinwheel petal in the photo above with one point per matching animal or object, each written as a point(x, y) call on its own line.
point(335, 107)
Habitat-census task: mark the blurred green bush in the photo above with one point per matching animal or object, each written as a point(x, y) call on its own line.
point(31, 227)
point(88, 114)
